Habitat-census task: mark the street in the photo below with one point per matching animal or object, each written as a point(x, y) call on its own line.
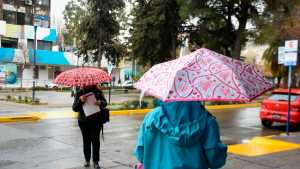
point(57, 143)
point(55, 100)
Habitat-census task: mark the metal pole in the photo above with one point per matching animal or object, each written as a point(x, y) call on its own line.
point(289, 102)
point(109, 93)
point(34, 64)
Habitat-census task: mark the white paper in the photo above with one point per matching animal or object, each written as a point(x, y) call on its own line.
point(89, 106)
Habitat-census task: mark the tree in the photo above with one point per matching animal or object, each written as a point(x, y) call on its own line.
point(155, 29)
point(221, 24)
point(100, 29)
point(73, 15)
point(279, 22)
point(96, 28)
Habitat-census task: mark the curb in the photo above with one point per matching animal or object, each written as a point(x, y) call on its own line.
point(35, 116)
point(232, 106)
point(19, 118)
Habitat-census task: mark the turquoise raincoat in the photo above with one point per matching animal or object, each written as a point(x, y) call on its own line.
point(180, 135)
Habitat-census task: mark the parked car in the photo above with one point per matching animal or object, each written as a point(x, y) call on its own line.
point(275, 107)
point(51, 85)
point(127, 84)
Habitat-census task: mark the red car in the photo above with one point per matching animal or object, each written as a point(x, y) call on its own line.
point(275, 107)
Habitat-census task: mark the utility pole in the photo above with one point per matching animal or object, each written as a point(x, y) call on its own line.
point(34, 53)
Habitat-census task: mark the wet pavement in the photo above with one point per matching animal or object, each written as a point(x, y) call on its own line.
point(57, 143)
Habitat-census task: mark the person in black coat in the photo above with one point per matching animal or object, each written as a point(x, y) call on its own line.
point(90, 126)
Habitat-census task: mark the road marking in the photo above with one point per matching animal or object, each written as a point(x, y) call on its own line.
point(259, 146)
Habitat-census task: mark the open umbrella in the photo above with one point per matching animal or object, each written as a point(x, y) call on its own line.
point(82, 77)
point(203, 75)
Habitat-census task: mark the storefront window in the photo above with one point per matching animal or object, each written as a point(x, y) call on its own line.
point(9, 42)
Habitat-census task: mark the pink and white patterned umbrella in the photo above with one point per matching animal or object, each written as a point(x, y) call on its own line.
point(203, 75)
point(81, 77)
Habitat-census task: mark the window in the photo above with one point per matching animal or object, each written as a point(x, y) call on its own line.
point(28, 19)
point(10, 16)
point(21, 2)
point(20, 18)
point(11, 2)
point(14, 17)
point(42, 2)
point(9, 42)
point(28, 2)
point(42, 45)
point(50, 73)
point(283, 97)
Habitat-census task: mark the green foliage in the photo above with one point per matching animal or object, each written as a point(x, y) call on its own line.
point(137, 76)
point(155, 30)
point(221, 25)
point(279, 22)
point(73, 15)
point(96, 28)
point(25, 100)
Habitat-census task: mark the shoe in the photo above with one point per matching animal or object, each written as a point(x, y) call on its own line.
point(86, 164)
point(96, 166)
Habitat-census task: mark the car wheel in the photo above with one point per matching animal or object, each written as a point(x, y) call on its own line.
point(266, 123)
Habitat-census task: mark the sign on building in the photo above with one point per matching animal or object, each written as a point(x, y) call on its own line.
point(291, 53)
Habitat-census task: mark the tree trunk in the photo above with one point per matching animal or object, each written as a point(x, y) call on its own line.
point(239, 38)
point(99, 57)
point(279, 81)
point(173, 48)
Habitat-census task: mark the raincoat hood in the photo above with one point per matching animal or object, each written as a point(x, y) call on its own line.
point(182, 122)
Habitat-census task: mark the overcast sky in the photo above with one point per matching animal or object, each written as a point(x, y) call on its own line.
point(57, 7)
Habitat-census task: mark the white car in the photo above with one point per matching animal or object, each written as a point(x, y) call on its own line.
point(51, 85)
point(127, 84)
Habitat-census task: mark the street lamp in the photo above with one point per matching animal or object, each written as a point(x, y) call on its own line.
point(34, 52)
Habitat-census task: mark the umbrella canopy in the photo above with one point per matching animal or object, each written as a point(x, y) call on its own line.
point(203, 75)
point(82, 77)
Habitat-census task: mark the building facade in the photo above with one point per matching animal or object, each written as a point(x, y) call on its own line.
point(17, 21)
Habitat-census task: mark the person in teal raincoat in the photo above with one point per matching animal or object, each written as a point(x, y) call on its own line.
point(180, 135)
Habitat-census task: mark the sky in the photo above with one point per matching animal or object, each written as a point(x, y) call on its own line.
point(57, 8)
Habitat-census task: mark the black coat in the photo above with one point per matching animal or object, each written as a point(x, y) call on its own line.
point(77, 105)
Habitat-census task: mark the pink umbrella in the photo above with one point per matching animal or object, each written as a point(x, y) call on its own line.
point(203, 75)
point(82, 77)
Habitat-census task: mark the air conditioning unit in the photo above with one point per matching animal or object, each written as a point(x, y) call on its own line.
point(28, 2)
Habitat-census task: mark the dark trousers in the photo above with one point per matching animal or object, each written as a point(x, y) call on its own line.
point(90, 134)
